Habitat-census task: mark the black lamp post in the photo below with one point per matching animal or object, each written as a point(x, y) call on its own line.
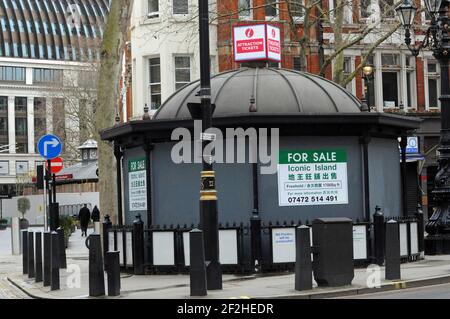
point(368, 76)
point(438, 40)
point(208, 194)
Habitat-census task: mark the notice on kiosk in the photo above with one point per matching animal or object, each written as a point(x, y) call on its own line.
point(137, 184)
point(312, 177)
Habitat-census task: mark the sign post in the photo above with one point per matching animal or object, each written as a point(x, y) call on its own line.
point(50, 147)
point(310, 178)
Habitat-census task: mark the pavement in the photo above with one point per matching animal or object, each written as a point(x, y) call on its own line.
point(433, 270)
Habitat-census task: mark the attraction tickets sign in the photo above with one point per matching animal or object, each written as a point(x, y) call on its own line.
point(257, 42)
point(312, 177)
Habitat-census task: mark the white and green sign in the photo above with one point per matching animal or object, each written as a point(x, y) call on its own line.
point(310, 178)
point(137, 184)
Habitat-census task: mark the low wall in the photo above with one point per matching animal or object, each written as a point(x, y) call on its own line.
point(36, 213)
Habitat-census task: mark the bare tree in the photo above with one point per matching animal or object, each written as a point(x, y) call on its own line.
point(114, 41)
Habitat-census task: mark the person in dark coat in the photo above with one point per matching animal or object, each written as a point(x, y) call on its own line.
point(84, 216)
point(95, 214)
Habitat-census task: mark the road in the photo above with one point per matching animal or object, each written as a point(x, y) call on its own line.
point(428, 292)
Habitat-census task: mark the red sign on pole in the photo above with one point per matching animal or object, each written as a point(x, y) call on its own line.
point(56, 165)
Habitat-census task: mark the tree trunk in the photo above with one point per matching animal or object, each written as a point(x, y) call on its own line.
point(114, 41)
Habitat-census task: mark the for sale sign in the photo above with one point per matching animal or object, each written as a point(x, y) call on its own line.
point(257, 42)
point(311, 178)
point(137, 184)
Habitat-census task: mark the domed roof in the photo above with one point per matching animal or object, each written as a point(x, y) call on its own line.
point(264, 91)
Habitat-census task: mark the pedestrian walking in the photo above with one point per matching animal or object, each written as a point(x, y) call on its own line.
point(84, 216)
point(95, 214)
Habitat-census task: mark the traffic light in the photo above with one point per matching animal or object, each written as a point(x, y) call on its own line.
point(40, 177)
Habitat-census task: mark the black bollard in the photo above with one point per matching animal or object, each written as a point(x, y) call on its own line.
point(38, 257)
point(31, 272)
point(96, 274)
point(392, 251)
point(420, 228)
point(47, 259)
point(378, 224)
point(106, 226)
point(255, 235)
point(113, 273)
point(62, 249)
point(55, 261)
point(197, 263)
point(303, 263)
point(25, 251)
point(138, 246)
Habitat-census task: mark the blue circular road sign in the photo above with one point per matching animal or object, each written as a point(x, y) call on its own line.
point(50, 146)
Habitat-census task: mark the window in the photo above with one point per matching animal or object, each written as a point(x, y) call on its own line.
point(390, 60)
point(347, 8)
point(390, 89)
point(180, 7)
point(298, 64)
point(347, 70)
point(182, 71)
point(271, 8)
point(47, 76)
point(4, 168)
point(21, 126)
point(432, 82)
point(387, 8)
point(153, 9)
point(21, 168)
point(155, 83)
point(244, 9)
point(20, 104)
point(3, 104)
point(273, 64)
point(366, 8)
point(12, 74)
point(3, 126)
point(40, 106)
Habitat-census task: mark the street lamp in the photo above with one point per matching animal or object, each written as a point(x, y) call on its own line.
point(368, 75)
point(438, 40)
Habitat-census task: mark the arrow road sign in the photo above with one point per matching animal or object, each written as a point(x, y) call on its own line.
point(50, 146)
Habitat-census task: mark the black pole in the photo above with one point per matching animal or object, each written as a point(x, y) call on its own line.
point(148, 147)
point(38, 255)
point(197, 265)
point(47, 259)
point(303, 263)
point(118, 154)
point(54, 188)
point(31, 272)
point(365, 148)
point(208, 194)
point(25, 251)
point(403, 144)
point(113, 273)
point(378, 225)
point(420, 227)
point(62, 248)
point(47, 181)
point(106, 227)
point(55, 261)
point(439, 223)
point(392, 251)
point(138, 246)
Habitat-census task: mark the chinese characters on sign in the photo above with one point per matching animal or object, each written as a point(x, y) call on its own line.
point(137, 178)
point(309, 178)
